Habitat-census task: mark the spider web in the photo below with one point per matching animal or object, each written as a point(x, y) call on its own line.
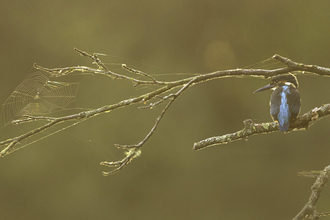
point(36, 95)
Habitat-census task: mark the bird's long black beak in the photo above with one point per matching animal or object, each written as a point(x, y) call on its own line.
point(269, 86)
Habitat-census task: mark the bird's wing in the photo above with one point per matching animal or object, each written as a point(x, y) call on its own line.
point(275, 102)
point(294, 103)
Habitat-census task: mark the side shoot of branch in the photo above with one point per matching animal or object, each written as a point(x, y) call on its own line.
point(309, 210)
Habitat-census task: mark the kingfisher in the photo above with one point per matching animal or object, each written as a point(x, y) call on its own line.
point(285, 100)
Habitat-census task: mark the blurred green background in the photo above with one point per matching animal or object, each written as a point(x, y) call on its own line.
point(60, 177)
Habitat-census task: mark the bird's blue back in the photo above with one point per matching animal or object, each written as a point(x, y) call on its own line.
point(283, 106)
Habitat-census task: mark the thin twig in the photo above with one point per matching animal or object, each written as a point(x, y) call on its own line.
point(130, 155)
point(93, 57)
point(139, 73)
point(58, 72)
point(28, 118)
point(10, 143)
point(153, 104)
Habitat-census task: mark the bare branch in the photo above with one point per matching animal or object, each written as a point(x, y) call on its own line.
point(309, 209)
point(28, 118)
point(10, 143)
point(139, 73)
point(251, 128)
point(93, 57)
point(302, 67)
point(154, 104)
point(58, 72)
point(163, 92)
point(130, 155)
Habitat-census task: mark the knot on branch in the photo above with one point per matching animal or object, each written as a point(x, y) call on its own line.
point(248, 124)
